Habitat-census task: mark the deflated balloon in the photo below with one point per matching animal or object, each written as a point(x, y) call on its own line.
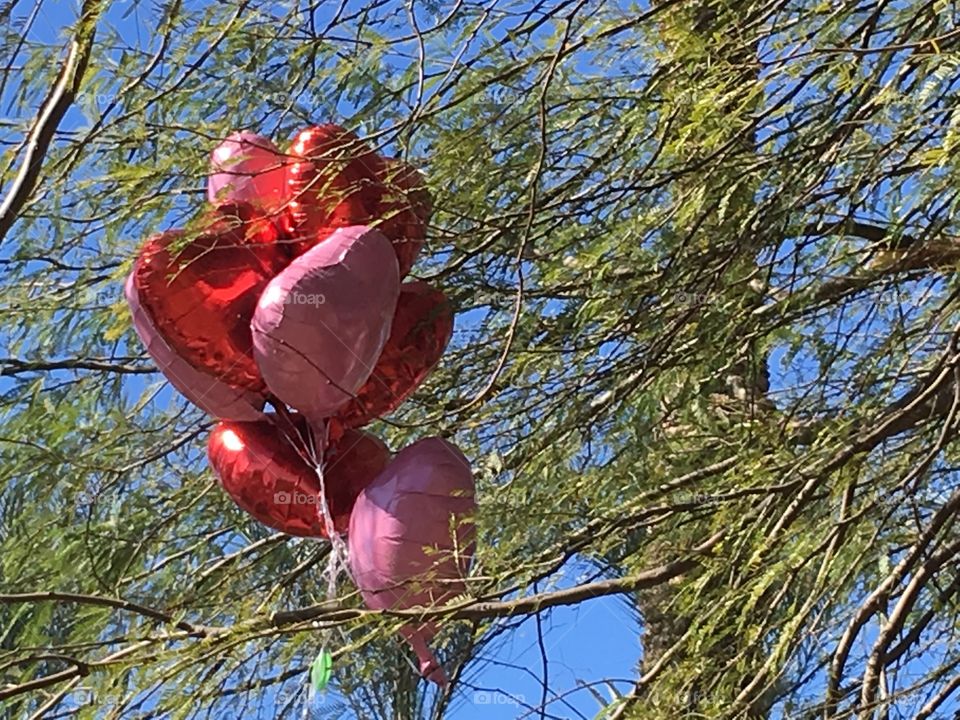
point(321, 324)
point(200, 293)
point(411, 537)
point(421, 328)
point(203, 390)
point(249, 168)
point(266, 471)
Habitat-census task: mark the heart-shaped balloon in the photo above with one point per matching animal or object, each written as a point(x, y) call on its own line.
point(249, 168)
point(351, 463)
point(421, 328)
point(266, 472)
point(336, 180)
point(404, 211)
point(412, 537)
point(321, 324)
point(333, 183)
point(200, 293)
point(205, 391)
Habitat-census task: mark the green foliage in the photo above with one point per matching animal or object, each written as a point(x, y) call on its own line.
point(703, 254)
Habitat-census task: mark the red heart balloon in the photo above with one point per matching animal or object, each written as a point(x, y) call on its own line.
point(333, 182)
point(351, 463)
point(422, 326)
point(404, 210)
point(201, 293)
point(209, 394)
point(266, 473)
point(339, 180)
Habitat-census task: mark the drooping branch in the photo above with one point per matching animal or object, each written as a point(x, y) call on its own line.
point(334, 613)
point(100, 601)
point(53, 110)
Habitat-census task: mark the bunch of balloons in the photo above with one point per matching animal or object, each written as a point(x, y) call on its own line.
point(288, 293)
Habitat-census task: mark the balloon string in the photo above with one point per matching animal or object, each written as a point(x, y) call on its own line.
point(313, 449)
point(338, 562)
point(311, 698)
point(288, 428)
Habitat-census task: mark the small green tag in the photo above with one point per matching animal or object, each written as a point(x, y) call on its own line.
point(320, 671)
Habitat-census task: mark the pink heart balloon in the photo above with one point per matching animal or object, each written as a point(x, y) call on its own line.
point(247, 167)
point(411, 537)
point(202, 389)
point(320, 324)
point(265, 471)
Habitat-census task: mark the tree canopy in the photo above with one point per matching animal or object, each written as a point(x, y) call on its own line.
point(706, 358)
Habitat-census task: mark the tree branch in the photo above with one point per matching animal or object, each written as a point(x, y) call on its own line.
point(54, 108)
point(477, 610)
point(14, 366)
point(100, 601)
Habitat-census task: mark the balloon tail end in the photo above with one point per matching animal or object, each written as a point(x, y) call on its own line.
point(430, 668)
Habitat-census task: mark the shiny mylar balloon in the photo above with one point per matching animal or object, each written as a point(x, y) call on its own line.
point(249, 168)
point(404, 211)
point(265, 471)
point(411, 537)
point(205, 391)
point(321, 324)
point(336, 180)
point(201, 293)
point(333, 183)
point(351, 463)
point(421, 329)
